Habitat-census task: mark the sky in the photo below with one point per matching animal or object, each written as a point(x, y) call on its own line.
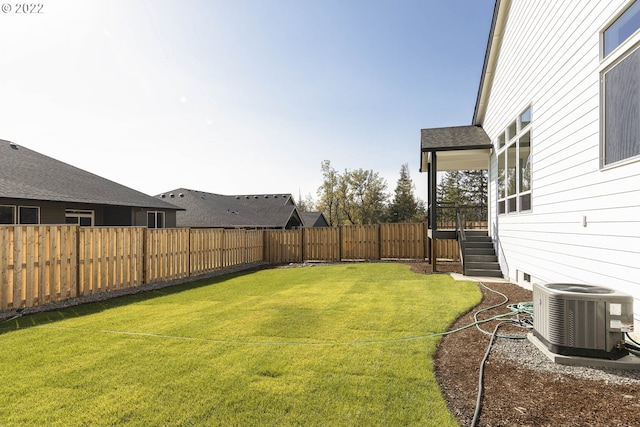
point(238, 96)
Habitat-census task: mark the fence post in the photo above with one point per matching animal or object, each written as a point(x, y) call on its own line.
point(379, 241)
point(77, 272)
point(222, 249)
point(145, 251)
point(339, 243)
point(189, 252)
point(301, 244)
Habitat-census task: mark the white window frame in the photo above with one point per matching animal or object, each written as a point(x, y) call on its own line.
point(80, 213)
point(623, 50)
point(37, 208)
point(502, 148)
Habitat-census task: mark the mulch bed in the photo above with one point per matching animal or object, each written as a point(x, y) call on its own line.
point(515, 395)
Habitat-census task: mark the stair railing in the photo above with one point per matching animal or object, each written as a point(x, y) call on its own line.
point(462, 238)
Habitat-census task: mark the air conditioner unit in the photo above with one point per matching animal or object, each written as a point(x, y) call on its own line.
point(582, 320)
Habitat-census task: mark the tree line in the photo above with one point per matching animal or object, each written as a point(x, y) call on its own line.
point(360, 197)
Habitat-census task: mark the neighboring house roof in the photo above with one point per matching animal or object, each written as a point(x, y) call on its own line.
point(204, 209)
point(458, 148)
point(29, 175)
point(314, 219)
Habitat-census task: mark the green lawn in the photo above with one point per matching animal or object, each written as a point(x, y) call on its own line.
point(346, 344)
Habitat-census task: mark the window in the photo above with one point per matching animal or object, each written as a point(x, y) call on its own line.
point(524, 171)
point(621, 29)
point(28, 215)
point(620, 91)
point(25, 214)
point(155, 219)
point(514, 167)
point(83, 218)
point(621, 112)
point(501, 194)
point(7, 214)
point(525, 118)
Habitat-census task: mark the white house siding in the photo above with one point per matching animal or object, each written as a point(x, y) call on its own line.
point(550, 60)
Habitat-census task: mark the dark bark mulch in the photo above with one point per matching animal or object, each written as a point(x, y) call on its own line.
point(515, 395)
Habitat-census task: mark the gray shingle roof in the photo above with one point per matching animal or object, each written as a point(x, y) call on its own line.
point(454, 138)
point(204, 209)
point(314, 219)
point(27, 174)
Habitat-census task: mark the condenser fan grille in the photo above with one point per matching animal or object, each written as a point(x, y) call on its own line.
point(579, 289)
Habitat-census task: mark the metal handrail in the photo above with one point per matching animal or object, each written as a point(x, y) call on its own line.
point(462, 237)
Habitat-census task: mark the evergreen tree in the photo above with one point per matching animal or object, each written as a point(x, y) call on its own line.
point(404, 207)
point(463, 188)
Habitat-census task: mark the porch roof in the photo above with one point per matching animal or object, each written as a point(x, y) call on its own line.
point(458, 148)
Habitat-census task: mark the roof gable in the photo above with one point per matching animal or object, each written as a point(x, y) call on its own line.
point(314, 219)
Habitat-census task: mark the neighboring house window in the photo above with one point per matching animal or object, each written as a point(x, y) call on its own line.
point(514, 165)
point(82, 218)
point(620, 90)
point(7, 214)
point(28, 215)
point(155, 219)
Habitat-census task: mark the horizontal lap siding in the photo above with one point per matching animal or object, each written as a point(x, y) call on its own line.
point(550, 59)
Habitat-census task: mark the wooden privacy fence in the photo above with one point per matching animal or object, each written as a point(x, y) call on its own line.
point(354, 242)
point(38, 264)
point(46, 263)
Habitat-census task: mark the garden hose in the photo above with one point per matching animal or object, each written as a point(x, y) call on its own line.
point(518, 309)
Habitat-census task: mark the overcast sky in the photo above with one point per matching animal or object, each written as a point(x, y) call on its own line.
point(238, 96)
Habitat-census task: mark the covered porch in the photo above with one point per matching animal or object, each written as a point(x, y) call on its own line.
point(459, 148)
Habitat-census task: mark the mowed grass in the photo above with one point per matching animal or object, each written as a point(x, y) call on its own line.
point(336, 345)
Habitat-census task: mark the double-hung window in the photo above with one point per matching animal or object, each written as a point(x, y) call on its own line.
point(620, 88)
point(514, 165)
